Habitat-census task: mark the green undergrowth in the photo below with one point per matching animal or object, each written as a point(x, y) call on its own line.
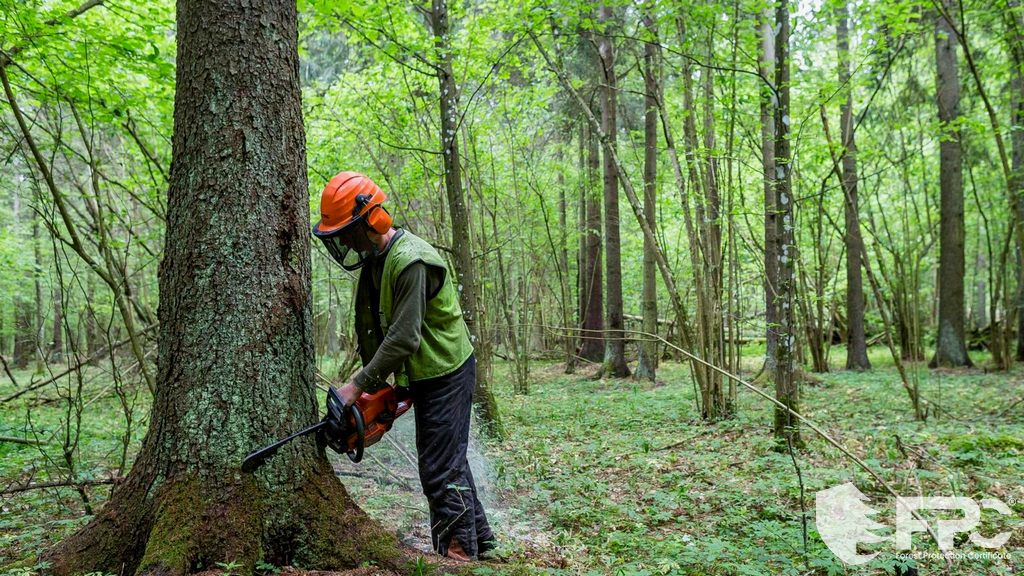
point(621, 477)
point(34, 519)
point(629, 481)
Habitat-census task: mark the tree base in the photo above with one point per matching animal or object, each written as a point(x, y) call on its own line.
point(187, 524)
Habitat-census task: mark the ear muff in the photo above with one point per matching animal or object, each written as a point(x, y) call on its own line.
point(378, 219)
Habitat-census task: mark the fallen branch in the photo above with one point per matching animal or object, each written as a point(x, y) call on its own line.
point(17, 440)
point(39, 485)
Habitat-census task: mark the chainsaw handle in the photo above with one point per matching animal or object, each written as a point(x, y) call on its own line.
point(356, 455)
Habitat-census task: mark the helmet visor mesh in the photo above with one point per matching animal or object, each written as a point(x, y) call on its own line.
point(349, 258)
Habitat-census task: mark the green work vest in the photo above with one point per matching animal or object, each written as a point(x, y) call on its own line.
point(444, 337)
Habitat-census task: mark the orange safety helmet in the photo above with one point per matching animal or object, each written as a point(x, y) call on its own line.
point(348, 200)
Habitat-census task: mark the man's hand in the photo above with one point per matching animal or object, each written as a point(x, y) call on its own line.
point(349, 393)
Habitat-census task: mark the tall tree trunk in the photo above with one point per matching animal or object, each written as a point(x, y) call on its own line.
point(856, 342)
point(564, 286)
point(332, 331)
point(24, 337)
point(769, 100)
point(56, 352)
point(1016, 41)
point(787, 390)
point(462, 238)
point(93, 336)
point(950, 349)
point(979, 317)
point(1017, 143)
point(647, 365)
point(719, 405)
point(615, 342)
point(592, 274)
point(39, 326)
point(235, 364)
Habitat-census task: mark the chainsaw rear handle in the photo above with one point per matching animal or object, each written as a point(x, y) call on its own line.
point(356, 453)
point(346, 432)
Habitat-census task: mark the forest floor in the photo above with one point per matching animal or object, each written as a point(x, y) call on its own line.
point(619, 476)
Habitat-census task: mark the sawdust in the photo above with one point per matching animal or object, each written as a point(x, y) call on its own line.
point(386, 485)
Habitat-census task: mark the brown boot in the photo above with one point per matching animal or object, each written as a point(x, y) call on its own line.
point(455, 551)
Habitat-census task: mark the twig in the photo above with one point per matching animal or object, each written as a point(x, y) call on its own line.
point(403, 481)
point(7, 369)
point(78, 484)
point(402, 451)
point(1010, 407)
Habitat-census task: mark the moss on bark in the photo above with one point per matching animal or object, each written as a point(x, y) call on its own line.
point(190, 524)
point(171, 546)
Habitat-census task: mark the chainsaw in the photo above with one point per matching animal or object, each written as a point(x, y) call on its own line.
point(346, 429)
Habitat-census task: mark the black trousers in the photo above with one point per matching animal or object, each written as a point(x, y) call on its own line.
point(442, 406)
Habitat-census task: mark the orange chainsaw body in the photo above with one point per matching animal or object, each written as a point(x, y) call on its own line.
point(379, 411)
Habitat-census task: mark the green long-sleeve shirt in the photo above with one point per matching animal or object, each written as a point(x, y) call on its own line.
point(403, 336)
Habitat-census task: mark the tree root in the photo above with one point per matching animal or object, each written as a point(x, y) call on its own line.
point(187, 523)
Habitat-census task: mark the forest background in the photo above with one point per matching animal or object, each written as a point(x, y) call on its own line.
point(616, 184)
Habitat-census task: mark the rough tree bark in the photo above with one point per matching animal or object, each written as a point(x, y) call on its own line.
point(1015, 40)
point(235, 349)
point(769, 100)
point(564, 287)
point(615, 342)
point(462, 239)
point(647, 365)
point(1017, 155)
point(787, 390)
point(950, 348)
point(591, 272)
point(856, 342)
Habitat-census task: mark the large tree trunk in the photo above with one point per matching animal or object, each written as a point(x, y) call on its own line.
point(769, 100)
point(591, 274)
point(235, 363)
point(462, 244)
point(856, 343)
point(615, 342)
point(647, 365)
point(950, 349)
point(787, 390)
